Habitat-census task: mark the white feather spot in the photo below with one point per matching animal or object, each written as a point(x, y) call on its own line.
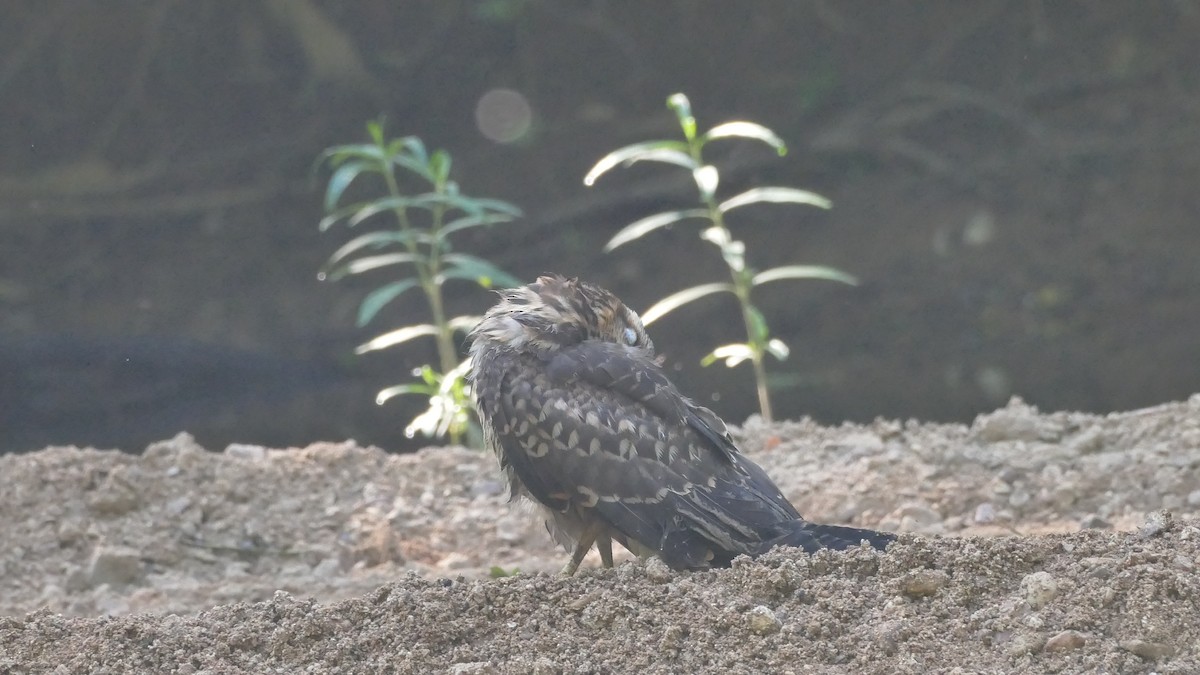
point(589, 495)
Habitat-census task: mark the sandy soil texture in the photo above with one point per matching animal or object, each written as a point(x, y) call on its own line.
point(1036, 542)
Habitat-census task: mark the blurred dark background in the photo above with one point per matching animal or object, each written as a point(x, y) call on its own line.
point(1015, 182)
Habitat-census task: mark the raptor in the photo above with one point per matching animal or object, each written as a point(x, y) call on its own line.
point(584, 422)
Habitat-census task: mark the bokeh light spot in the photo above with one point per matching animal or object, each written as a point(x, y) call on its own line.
point(503, 115)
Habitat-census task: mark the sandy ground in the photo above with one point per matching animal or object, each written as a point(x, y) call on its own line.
point(1061, 542)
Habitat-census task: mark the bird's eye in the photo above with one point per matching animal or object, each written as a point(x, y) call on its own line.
point(631, 337)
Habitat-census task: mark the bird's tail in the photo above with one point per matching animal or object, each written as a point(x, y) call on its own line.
point(813, 536)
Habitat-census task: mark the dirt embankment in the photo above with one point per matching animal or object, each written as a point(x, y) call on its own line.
point(1055, 558)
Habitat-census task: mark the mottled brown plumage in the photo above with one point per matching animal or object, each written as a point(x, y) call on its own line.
point(585, 423)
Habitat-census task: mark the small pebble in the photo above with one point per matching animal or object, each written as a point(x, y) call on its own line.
point(985, 513)
point(113, 565)
point(1016, 422)
point(1151, 651)
point(762, 621)
point(253, 453)
point(454, 561)
point(1087, 442)
point(1026, 643)
point(860, 444)
point(924, 583)
point(1156, 522)
point(657, 571)
point(1038, 589)
point(920, 515)
point(1066, 641)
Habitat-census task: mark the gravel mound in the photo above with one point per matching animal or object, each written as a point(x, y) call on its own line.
point(1033, 542)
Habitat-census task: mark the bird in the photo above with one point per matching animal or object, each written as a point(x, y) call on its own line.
point(575, 405)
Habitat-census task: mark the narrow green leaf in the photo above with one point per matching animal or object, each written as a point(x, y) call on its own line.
point(341, 179)
point(401, 389)
point(646, 225)
point(375, 131)
point(464, 323)
point(439, 165)
point(732, 354)
point(416, 148)
point(381, 296)
point(717, 235)
point(734, 253)
point(683, 111)
point(395, 337)
point(747, 130)
point(759, 332)
point(381, 205)
point(338, 214)
point(414, 165)
point(803, 272)
point(468, 205)
point(384, 204)
point(370, 240)
point(666, 156)
point(678, 299)
point(629, 154)
point(707, 179)
point(500, 206)
point(467, 222)
point(339, 154)
point(432, 423)
point(775, 195)
point(369, 263)
point(778, 348)
point(428, 374)
point(482, 272)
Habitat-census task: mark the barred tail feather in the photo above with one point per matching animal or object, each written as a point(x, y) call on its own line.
point(813, 536)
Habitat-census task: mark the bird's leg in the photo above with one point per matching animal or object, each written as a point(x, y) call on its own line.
point(586, 539)
point(604, 545)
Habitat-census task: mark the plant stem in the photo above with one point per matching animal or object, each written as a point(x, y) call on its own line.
point(427, 270)
point(760, 380)
point(445, 338)
point(741, 288)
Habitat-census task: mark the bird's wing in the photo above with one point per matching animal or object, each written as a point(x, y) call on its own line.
point(598, 427)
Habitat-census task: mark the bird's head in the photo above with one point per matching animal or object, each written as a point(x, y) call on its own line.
point(555, 312)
